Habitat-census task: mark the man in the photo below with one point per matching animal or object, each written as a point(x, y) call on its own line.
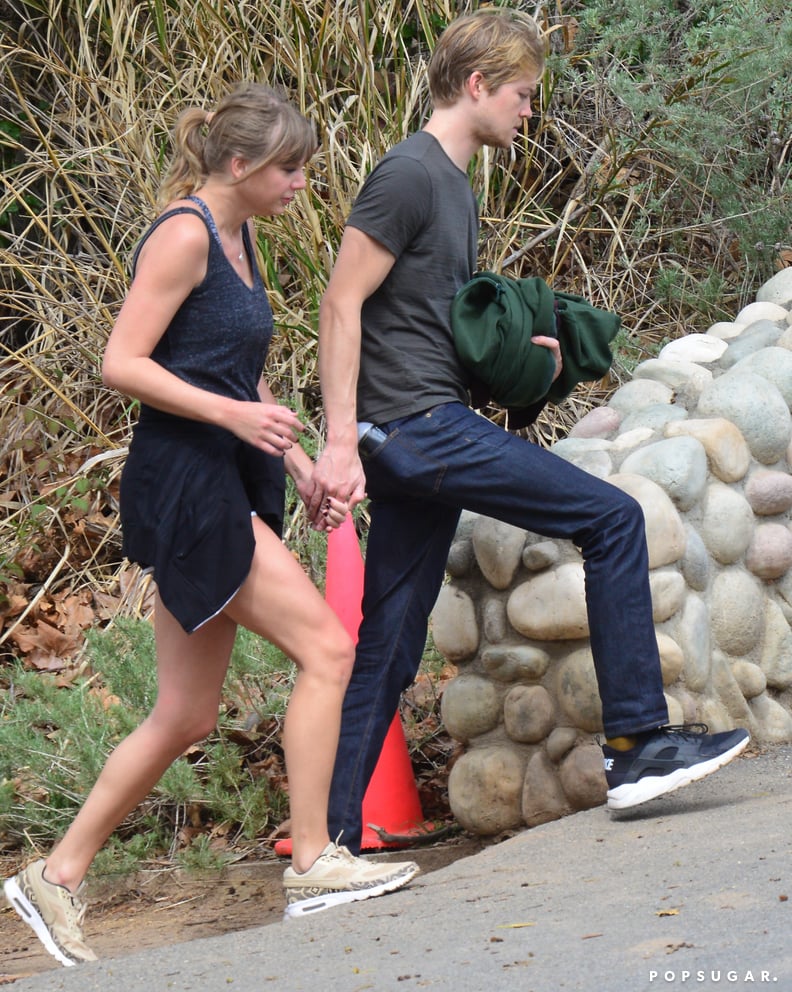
point(390, 375)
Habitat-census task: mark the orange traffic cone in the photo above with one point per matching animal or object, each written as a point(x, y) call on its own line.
point(391, 801)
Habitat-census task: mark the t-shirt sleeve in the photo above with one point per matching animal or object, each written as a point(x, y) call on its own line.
point(394, 204)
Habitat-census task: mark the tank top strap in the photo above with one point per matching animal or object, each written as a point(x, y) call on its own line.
point(213, 227)
point(159, 220)
point(207, 214)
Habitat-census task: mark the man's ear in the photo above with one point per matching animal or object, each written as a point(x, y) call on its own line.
point(475, 85)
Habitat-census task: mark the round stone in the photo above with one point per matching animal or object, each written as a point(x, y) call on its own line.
point(769, 492)
point(749, 677)
point(454, 626)
point(470, 706)
point(578, 692)
point(528, 713)
point(727, 526)
point(512, 662)
point(543, 798)
point(485, 789)
point(769, 554)
point(736, 612)
point(582, 776)
point(755, 407)
point(778, 289)
point(551, 606)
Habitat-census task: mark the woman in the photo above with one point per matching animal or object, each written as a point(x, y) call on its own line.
point(201, 504)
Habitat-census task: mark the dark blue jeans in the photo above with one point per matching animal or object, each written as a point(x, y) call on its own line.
point(430, 467)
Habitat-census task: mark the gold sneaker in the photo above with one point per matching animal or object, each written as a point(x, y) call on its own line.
point(55, 914)
point(337, 876)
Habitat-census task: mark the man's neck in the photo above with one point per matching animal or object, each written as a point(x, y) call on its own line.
point(450, 129)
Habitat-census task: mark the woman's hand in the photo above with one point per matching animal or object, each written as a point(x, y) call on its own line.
point(332, 514)
point(267, 426)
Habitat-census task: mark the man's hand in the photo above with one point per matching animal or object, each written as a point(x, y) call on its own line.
point(338, 474)
point(331, 512)
point(553, 345)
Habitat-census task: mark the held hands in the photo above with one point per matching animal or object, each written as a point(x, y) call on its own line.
point(338, 478)
point(332, 514)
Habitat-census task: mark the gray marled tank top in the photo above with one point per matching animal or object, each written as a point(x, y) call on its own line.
point(219, 337)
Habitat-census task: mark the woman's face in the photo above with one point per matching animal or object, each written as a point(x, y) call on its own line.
point(271, 188)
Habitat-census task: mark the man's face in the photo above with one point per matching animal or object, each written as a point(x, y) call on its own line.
point(503, 111)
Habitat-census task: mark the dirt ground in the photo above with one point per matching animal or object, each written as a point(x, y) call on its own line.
point(153, 908)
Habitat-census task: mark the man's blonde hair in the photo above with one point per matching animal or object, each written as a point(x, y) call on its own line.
point(499, 42)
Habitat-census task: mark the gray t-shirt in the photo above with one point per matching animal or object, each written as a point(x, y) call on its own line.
point(418, 205)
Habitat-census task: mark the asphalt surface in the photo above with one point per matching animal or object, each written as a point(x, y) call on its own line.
point(689, 891)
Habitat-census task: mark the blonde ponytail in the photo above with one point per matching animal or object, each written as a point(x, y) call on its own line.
point(187, 171)
point(253, 121)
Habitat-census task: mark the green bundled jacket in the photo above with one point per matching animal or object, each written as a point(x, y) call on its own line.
point(493, 319)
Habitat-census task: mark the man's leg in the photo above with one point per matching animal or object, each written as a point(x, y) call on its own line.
point(454, 456)
point(406, 554)
point(451, 455)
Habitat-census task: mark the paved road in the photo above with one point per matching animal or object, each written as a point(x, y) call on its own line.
point(687, 892)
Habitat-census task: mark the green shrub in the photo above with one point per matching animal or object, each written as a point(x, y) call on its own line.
point(54, 741)
point(697, 95)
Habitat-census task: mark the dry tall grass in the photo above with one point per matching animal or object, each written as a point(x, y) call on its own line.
point(88, 92)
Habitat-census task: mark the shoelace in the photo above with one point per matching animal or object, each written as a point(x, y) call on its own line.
point(689, 730)
point(341, 853)
point(76, 908)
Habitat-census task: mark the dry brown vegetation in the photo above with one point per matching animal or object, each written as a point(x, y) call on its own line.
point(89, 90)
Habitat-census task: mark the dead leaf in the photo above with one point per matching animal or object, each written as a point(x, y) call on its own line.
point(107, 698)
point(46, 647)
point(74, 612)
point(107, 606)
point(16, 602)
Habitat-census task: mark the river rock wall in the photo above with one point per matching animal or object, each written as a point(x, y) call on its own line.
point(702, 438)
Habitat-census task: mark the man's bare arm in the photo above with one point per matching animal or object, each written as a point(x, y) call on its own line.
point(360, 268)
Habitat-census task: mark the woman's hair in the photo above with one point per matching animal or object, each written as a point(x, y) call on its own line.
point(500, 43)
point(252, 121)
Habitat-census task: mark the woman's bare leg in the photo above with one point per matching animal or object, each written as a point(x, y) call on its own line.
point(280, 603)
point(190, 672)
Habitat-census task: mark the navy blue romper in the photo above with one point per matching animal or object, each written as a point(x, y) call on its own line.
point(188, 488)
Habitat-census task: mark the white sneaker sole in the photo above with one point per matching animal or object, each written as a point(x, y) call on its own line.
point(652, 786)
point(307, 907)
point(28, 912)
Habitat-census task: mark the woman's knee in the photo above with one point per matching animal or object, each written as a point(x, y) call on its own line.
point(341, 656)
point(184, 726)
point(330, 656)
